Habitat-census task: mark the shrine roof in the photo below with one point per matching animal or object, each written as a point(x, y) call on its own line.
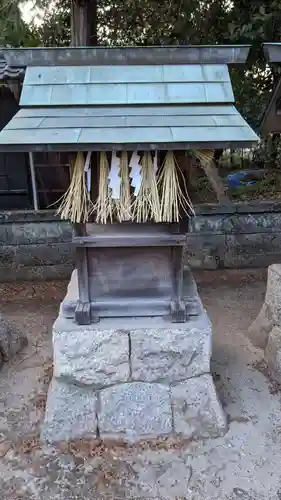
point(127, 100)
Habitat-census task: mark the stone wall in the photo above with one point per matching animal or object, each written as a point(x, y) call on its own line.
point(240, 236)
point(36, 246)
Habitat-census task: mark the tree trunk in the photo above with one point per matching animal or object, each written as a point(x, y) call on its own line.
point(84, 23)
point(212, 174)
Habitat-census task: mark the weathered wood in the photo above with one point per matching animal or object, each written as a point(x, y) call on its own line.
point(83, 308)
point(178, 308)
point(80, 229)
point(83, 313)
point(123, 241)
point(178, 311)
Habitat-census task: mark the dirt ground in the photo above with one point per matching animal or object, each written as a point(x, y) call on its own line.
point(245, 464)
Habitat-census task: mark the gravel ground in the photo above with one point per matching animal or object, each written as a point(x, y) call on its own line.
point(243, 465)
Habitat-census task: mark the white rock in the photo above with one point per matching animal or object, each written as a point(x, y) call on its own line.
point(91, 356)
point(171, 354)
point(135, 411)
point(70, 413)
point(197, 411)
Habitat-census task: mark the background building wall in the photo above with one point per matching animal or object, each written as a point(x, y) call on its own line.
point(37, 246)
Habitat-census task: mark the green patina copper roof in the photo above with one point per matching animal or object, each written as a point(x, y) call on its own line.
point(163, 106)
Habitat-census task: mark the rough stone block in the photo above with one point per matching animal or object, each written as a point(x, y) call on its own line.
point(91, 356)
point(26, 233)
point(7, 255)
point(70, 413)
point(12, 340)
point(261, 326)
point(273, 292)
point(36, 273)
point(251, 223)
point(252, 250)
point(213, 224)
point(273, 353)
point(197, 411)
point(270, 313)
point(135, 411)
point(171, 354)
point(46, 254)
point(205, 251)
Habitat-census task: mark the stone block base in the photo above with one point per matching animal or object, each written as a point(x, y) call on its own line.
point(134, 411)
point(132, 379)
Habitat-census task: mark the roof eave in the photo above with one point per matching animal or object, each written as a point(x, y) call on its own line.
point(184, 54)
point(178, 146)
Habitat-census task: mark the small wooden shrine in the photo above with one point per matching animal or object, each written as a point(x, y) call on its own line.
point(127, 116)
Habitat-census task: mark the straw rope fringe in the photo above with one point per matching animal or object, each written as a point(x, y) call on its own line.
point(76, 203)
point(204, 155)
point(161, 199)
point(173, 199)
point(147, 204)
point(104, 206)
point(124, 204)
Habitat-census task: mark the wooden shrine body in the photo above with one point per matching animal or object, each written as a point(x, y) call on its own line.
point(89, 99)
point(130, 270)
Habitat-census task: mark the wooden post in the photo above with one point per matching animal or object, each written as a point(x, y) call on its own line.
point(33, 182)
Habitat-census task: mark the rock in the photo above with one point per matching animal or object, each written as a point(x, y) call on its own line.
point(270, 314)
point(91, 356)
point(197, 411)
point(161, 474)
point(12, 340)
point(273, 292)
point(70, 413)
point(260, 328)
point(273, 353)
point(239, 494)
point(171, 354)
point(135, 411)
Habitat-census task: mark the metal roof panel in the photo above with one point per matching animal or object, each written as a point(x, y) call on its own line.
point(61, 75)
point(132, 84)
point(36, 95)
point(126, 135)
point(40, 136)
point(119, 94)
point(148, 121)
point(152, 110)
point(221, 134)
point(127, 129)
